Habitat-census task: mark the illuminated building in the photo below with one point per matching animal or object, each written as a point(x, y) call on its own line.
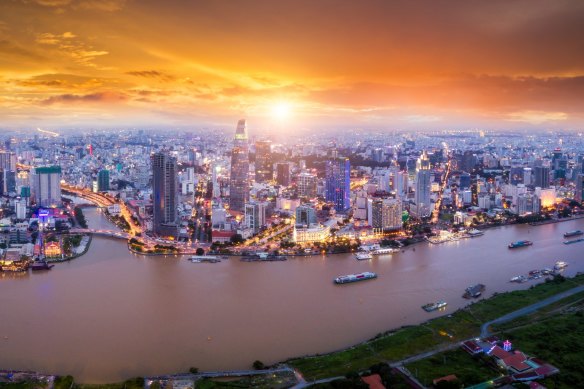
point(239, 180)
point(165, 194)
point(542, 176)
point(46, 186)
point(312, 233)
point(53, 250)
point(423, 186)
point(579, 195)
point(338, 183)
point(305, 215)
point(306, 185)
point(385, 214)
point(263, 163)
point(255, 215)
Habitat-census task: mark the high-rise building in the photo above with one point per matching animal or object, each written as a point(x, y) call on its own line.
point(306, 185)
point(542, 176)
point(465, 181)
point(386, 214)
point(516, 175)
point(400, 183)
point(283, 173)
point(579, 195)
point(255, 215)
point(338, 183)
point(469, 161)
point(239, 179)
point(423, 187)
point(46, 186)
point(165, 194)
point(263, 163)
point(7, 161)
point(103, 181)
point(305, 215)
point(8, 181)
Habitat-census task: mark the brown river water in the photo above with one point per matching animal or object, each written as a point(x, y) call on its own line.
point(111, 315)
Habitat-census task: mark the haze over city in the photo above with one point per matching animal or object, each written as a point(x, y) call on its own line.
point(307, 64)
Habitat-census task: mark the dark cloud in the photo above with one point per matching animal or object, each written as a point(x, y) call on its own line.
point(8, 48)
point(102, 97)
point(153, 74)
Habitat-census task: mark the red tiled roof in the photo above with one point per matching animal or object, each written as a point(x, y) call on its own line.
point(471, 346)
point(517, 361)
point(498, 352)
point(222, 234)
point(374, 381)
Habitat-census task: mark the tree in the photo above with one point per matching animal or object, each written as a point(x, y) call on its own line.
point(236, 239)
point(259, 365)
point(194, 370)
point(200, 251)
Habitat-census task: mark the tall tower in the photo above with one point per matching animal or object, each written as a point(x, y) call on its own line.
point(263, 163)
point(423, 186)
point(165, 194)
point(239, 180)
point(338, 183)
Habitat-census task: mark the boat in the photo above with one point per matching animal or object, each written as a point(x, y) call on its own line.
point(434, 306)
point(574, 241)
point(363, 256)
point(546, 271)
point(473, 291)
point(355, 277)
point(41, 265)
point(520, 243)
point(384, 251)
point(474, 233)
point(570, 234)
point(519, 279)
point(560, 265)
point(204, 258)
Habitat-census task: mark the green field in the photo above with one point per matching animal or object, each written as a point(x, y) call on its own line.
point(402, 343)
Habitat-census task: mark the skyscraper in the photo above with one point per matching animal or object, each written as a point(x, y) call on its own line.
point(255, 215)
point(46, 185)
point(338, 183)
point(103, 181)
point(165, 194)
point(283, 174)
point(7, 161)
point(542, 176)
point(423, 186)
point(386, 214)
point(306, 185)
point(239, 179)
point(305, 215)
point(263, 163)
point(579, 195)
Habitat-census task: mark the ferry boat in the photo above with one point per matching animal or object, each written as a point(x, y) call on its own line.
point(560, 265)
point(520, 243)
point(474, 232)
point(204, 258)
point(574, 241)
point(434, 306)
point(363, 256)
point(570, 234)
point(473, 291)
point(355, 277)
point(383, 251)
point(41, 265)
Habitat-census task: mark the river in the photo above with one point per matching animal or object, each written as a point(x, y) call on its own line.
point(110, 314)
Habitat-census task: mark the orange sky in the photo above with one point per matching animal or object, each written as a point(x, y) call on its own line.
point(336, 63)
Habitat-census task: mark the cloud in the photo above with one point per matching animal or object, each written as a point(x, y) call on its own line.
point(537, 117)
point(99, 5)
point(421, 118)
point(53, 3)
point(53, 39)
point(153, 74)
point(8, 48)
point(101, 97)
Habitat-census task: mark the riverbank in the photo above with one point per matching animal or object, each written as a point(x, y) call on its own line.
point(84, 245)
point(445, 330)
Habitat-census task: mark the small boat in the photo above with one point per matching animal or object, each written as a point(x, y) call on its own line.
point(204, 258)
point(41, 265)
point(520, 243)
point(574, 241)
point(474, 291)
point(363, 256)
point(518, 279)
point(560, 265)
point(546, 271)
point(355, 277)
point(383, 251)
point(570, 234)
point(434, 306)
point(474, 233)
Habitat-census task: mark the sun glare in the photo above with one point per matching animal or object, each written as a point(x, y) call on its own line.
point(281, 110)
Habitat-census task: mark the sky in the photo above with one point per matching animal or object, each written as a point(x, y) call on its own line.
point(436, 64)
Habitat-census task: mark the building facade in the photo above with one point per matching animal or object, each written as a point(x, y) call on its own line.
point(338, 183)
point(165, 194)
point(239, 178)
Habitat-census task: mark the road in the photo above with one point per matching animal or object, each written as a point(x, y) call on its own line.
point(529, 309)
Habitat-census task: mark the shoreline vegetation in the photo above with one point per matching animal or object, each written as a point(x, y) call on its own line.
point(399, 344)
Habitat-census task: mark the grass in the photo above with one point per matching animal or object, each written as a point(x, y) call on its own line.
point(468, 370)
point(397, 345)
point(559, 340)
point(278, 380)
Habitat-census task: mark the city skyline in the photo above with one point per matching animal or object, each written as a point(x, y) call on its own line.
point(379, 65)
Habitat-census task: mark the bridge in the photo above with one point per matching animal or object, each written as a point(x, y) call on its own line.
point(106, 233)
